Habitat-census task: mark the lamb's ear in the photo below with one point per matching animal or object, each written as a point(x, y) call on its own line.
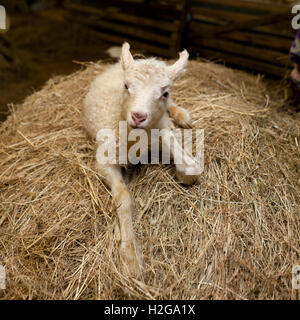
point(126, 57)
point(178, 68)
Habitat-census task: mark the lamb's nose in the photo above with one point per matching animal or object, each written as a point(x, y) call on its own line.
point(138, 118)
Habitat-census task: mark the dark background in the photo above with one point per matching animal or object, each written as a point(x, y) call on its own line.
point(47, 37)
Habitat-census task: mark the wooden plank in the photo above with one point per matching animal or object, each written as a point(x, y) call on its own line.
point(221, 15)
point(133, 31)
point(251, 5)
point(238, 20)
point(276, 24)
point(135, 43)
point(248, 23)
point(259, 54)
point(201, 29)
point(136, 1)
point(150, 8)
point(282, 28)
point(116, 26)
point(241, 62)
point(180, 33)
point(125, 17)
point(164, 7)
point(253, 23)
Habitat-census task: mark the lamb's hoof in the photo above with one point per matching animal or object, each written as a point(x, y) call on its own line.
point(185, 178)
point(185, 122)
point(131, 258)
point(181, 116)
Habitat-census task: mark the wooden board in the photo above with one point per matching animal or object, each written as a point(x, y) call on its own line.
point(250, 38)
point(245, 5)
point(242, 31)
point(258, 54)
point(239, 31)
point(240, 61)
point(135, 21)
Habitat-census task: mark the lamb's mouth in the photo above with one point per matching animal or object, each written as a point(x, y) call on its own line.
point(133, 125)
point(140, 126)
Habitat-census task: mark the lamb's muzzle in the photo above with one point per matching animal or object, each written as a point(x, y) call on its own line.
point(138, 118)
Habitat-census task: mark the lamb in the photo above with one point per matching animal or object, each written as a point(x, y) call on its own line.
point(137, 91)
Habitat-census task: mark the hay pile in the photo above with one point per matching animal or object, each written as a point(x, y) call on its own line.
point(234, 236)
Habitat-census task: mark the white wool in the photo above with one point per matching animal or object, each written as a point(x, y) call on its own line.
point(136, 91)
point(114, 52)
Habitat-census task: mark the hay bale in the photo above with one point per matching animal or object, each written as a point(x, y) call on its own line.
point(233, 236)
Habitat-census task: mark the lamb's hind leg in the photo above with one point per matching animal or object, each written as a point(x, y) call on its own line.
point(130, 254)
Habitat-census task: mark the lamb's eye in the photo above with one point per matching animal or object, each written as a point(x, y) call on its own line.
point(166, 94)
point(126, 86)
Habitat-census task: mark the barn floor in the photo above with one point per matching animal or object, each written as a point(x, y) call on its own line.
point(44, 45)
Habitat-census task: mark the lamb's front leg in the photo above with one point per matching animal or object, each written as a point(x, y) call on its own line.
point(180, 115)
point(187, 170)
point(130, 254)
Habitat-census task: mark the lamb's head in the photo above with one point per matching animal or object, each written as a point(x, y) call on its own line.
point(147, 85)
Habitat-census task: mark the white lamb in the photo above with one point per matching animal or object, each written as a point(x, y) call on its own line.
point(136, 91)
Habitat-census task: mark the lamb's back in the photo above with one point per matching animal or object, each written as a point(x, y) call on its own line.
point(102, 104)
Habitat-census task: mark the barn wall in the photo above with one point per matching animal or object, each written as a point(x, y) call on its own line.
point(247, 33)
point(154, 26)
point(256, 34)
point(252, 34)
